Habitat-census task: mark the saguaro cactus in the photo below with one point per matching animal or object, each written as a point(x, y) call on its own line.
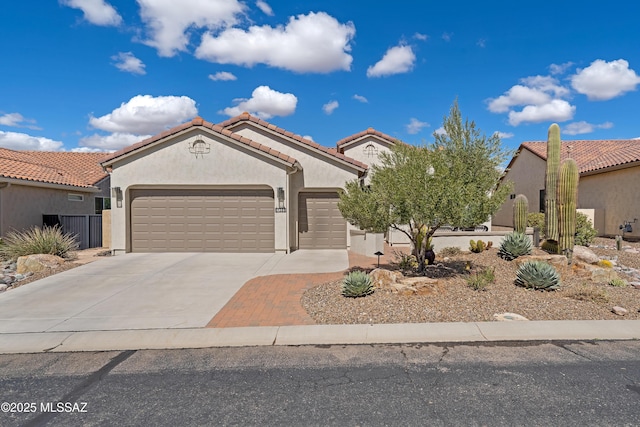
point(520, 211)
point(551, 179)
point(567, 198)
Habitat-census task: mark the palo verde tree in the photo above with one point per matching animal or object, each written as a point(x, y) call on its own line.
point(416, 190)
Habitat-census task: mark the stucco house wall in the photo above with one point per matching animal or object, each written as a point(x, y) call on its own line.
point(22, 206)
point(361, 151)
point(617, 193)
point(528, 176)
point(170, 164)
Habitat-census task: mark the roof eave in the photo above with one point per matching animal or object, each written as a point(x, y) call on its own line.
point(42, 184)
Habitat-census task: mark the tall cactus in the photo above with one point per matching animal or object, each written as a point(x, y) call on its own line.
point(520, 212)
point(567, 198)
point(551, 179)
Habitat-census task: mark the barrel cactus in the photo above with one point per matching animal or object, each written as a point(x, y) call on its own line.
point(520, 212)
point(515, 245)
point(538, 275)
point(357, 284)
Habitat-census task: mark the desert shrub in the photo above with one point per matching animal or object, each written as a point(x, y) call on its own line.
point(536, 219)
point(585, 233)
point(537, 275)
point(515, 245)
point(589, 293)
point(479, 281)
point(605, 263)
point(619, 283)
point(450, 251)
point(405, 261)
point(357, 284)
point(36, 240)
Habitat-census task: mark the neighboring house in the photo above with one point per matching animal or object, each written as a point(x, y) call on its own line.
point(37, 183)
point(243, 185)
point(609, 181)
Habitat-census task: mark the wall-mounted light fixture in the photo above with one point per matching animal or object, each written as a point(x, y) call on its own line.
point(116, 193)
point(281, 205)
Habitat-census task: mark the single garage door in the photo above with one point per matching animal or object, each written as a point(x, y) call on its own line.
point(320, 223)
point(202, 221)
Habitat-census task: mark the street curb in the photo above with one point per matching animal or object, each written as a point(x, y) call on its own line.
point(163, 339)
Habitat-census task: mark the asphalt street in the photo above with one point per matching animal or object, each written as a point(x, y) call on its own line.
point(532, 384)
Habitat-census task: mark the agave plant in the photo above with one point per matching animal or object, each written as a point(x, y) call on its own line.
point(515, 245)
point(357, 284)
point(538, 275)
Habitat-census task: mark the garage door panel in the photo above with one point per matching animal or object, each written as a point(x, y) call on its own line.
point(202, 221)
point(320, 223)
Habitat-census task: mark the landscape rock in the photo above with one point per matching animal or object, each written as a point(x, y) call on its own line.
point(3, 287)
point(38, 262)
point(603, 275)
point(558, 261)
point(383, 279)
point(584, 254)
point(635, 284)
point(620, 311)
point(509, 317)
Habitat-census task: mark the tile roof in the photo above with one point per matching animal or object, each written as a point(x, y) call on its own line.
point(246, 117)
point(199, 122)
point(369, 131)
point(592, 155)
point(60, 167)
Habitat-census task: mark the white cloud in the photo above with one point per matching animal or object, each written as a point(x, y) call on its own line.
point(440, 131)
point(518, 95)
point(578, 128)
point(416, 126)
point(557, 110)
point(360, 98)
point(481, 43)
point(396, 60)
point(559, 68)
point(503, 135)
point(264, 103)
point(330, 106)
point(308, 137)
point(97, 12)
point(602, 80)
point(419, 36)
point(169, 22)
point(264, 7)
point(222, 76)
point(17, 120)
point(145, 114)
point(126, 61)
point(447, 36)
point(22, 141)
point(316, 42)
point(114, 141)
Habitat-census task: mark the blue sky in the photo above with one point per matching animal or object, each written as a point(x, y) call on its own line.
point(102, 74)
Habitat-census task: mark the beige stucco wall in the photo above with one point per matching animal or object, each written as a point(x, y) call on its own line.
point(356, 150)
point(170, 164)
point(528, 175)
point(22, 206)
point(617, 193)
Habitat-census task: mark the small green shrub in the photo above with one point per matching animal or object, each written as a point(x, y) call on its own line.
point(36, 240)
point(515, 245)
point(585, 233)
point(536, 219)
point(450, 251)
point(619, 283)
point(480, 281)
point(405, 261)
point(537, 275)
point(357, 284)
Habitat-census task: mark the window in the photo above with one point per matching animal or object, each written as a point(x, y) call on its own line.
point(75, 197)
point(542, 196)
point(370, 150)
point(102, 203)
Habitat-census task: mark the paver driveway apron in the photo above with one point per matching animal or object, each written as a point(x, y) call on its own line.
point(145, 291)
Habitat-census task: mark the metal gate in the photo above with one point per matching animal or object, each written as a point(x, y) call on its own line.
point(86, 228)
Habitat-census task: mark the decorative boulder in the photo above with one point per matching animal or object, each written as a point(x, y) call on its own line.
point(383, 279)
point(38, 262)
point(509, 317)
point(584, 254)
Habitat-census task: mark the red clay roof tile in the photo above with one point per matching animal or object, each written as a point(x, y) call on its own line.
point(369, 131)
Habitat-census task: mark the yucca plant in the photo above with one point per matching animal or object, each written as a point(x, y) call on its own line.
point(36, 240)
point(357, 284)
point(514, 245)
point(538, 275)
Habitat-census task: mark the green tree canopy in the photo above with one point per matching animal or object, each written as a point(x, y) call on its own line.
point(417, 189)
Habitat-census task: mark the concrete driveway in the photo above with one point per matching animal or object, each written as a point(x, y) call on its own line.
point(148, 291)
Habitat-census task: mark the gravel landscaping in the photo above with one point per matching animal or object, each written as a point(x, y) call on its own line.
point(452, 300)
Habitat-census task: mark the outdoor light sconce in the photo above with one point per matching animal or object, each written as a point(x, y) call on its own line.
point(626, 227)
point(281, 207)
point(116, 193)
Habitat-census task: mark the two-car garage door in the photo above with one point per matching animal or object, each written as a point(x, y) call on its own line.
point(180, 220)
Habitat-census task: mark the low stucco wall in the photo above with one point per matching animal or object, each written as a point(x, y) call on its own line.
point(460, 239)
point(366, 243)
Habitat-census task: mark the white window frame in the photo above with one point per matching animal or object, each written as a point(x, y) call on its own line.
point(74, 197)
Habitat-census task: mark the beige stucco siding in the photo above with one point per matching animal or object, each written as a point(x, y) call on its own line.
point(359, 150)
point(22, 206)
point(170, 164)
point(528, 175)
point(617, 193)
